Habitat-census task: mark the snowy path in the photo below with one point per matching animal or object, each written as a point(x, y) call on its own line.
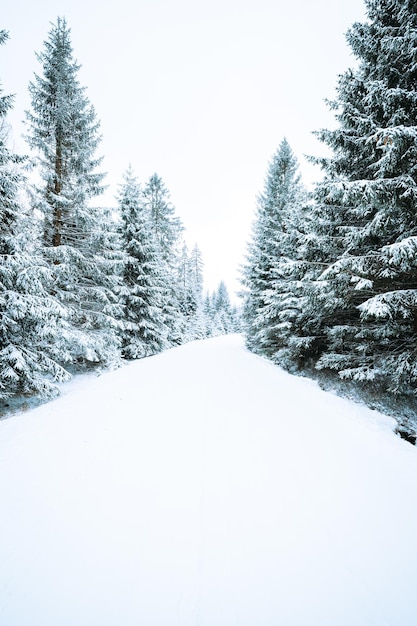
point(205, 487)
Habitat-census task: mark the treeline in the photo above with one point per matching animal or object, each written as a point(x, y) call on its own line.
point(331, 276)
point(81, 285)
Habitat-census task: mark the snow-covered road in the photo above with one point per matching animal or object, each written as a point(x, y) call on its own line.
point(205, 487)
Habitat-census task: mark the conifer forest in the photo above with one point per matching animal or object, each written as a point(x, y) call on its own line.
point(330, 276)
point(82, 286)
point(329, 282)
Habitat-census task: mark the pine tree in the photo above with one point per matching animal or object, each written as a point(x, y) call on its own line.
point(271, 267)
point(222, 310)
point(186, 295)
point(197, 272)
point(197, 322)
point(166, 228)
point(208, 315)
point(64, 134)
point(366, 219)
point(28, 314)
point(190, 280)
point(221, 318)
point(144, 331)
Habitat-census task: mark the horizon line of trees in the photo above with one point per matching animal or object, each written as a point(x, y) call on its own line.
point(330, 278)
point(82, 285)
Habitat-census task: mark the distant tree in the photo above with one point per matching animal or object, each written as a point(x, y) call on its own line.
point(221, 317)
point(190, 280)
point(167, 229)
point(144, 331)
point(197, 271)
point(64, 134)
point(186, 294)
point(190, 293)
point(221, 298)
point(166, 226)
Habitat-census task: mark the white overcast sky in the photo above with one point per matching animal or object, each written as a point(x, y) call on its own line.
point(200, 92)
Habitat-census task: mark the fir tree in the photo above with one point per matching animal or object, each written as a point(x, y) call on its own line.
point(272, 267)
point(144, 331)
point(166, 228)
point(64, 134)
point(186, 294)
point(366, 216)
point(221, 317)
point(197, 324)
point(208, 314)
point(29, 315)
point(190, 293)
point(196, 271)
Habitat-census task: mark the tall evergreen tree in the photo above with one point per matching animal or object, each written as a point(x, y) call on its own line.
point(186, 295)
point(64, 134)
point(28, 314)
point(197, 323)
point(190, 280)
point(366, 215)
point(221, 318)
point(144, 331)
point(196, 270)
point(166, 228)
point(270, 269)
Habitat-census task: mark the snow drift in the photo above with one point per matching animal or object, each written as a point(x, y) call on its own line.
point(205, 486)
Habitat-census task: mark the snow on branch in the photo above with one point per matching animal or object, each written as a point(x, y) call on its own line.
point(385, 138)
point(400, 303)
point(402, 253)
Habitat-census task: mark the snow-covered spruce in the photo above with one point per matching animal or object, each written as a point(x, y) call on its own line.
point(64, 136)
point(274, 266)
point(365, 215)
point(143, 329)
point(29, 314)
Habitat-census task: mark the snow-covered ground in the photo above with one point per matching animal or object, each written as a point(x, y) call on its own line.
point(206, 487)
